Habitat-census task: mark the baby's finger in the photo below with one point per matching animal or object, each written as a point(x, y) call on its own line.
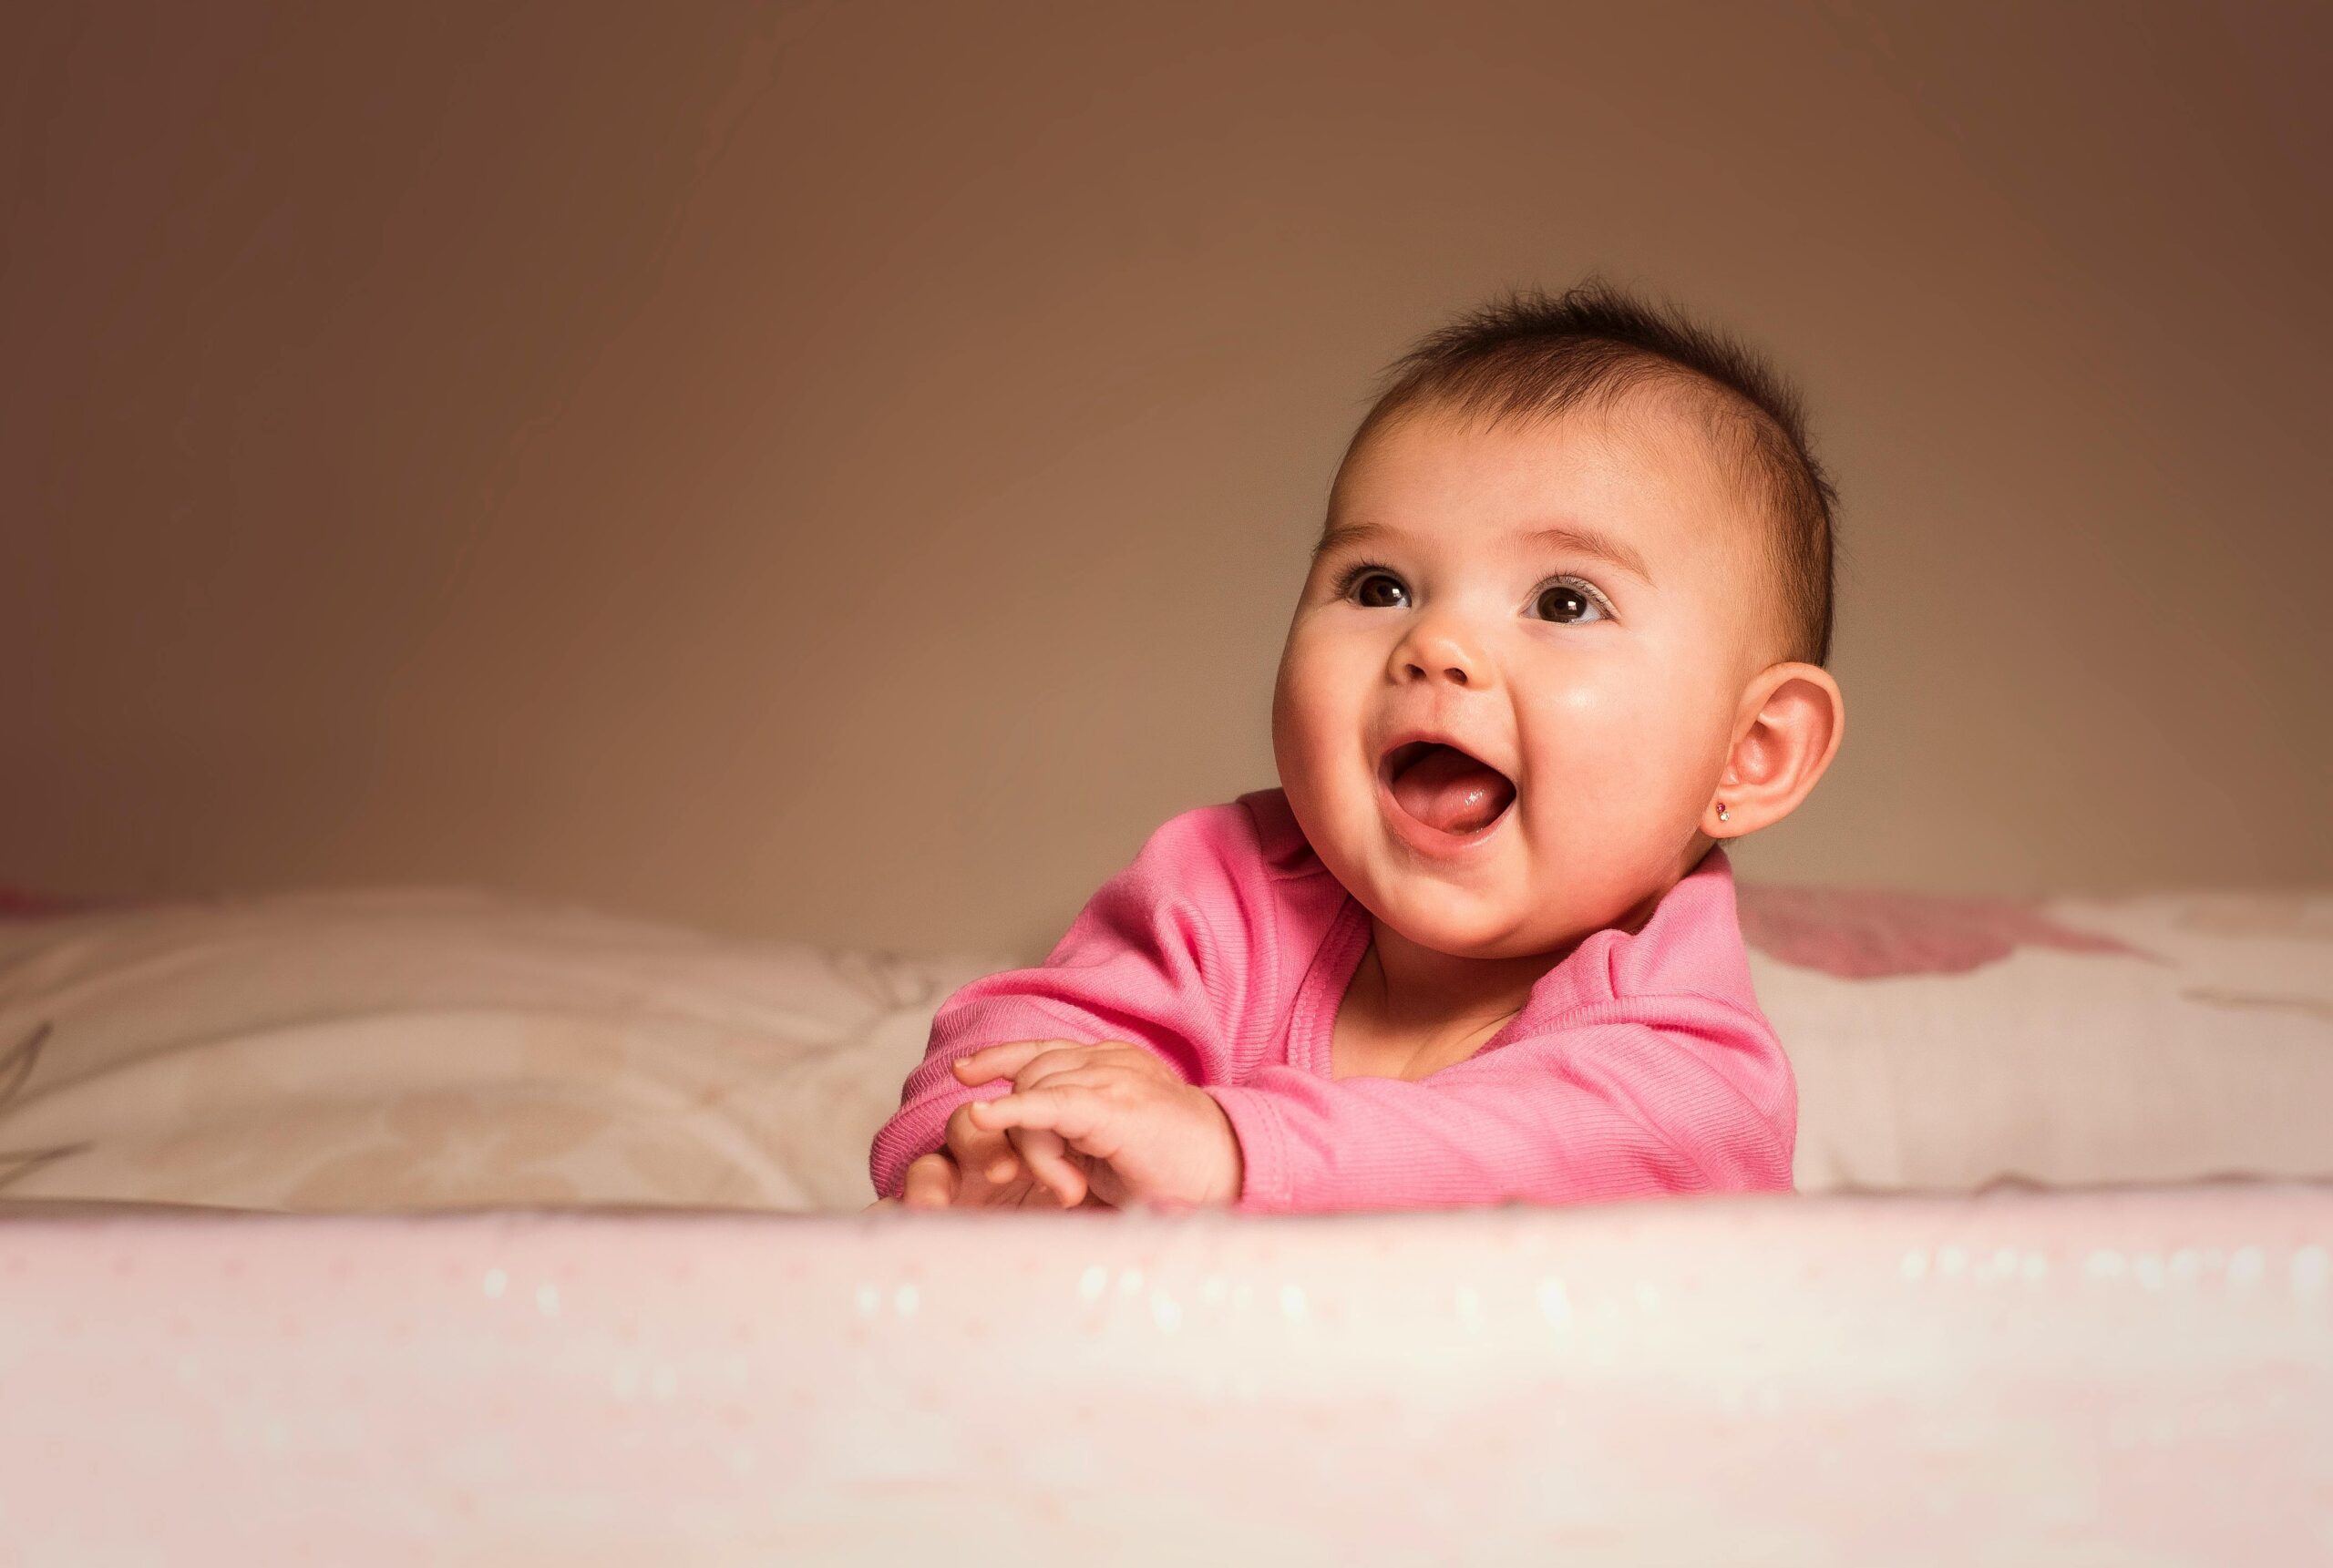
point(980, 1152)
point(1074, 1112)
point(930, 1183)
point(1135, 1058)
point(1058, 1058)
point(996, 1060)
point(1048, 1161)
point(994, 1156)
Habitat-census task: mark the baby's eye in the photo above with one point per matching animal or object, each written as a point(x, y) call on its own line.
point(1567, 601)
point(1360, 582)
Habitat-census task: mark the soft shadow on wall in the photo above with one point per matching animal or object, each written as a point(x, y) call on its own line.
point(802, 475)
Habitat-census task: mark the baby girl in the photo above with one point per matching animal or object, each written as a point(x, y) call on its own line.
point(1562, 637)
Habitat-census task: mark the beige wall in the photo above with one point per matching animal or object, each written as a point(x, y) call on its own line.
point(843, 471)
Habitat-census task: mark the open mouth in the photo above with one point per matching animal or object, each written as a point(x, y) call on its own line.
point(1445, 788)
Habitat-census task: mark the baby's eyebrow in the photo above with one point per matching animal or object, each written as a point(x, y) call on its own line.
point(1581, 540)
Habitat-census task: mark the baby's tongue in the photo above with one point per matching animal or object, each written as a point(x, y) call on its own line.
point(1450, 790)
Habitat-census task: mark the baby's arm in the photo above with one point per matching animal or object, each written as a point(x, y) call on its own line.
point(1155, 961)
point(1635, 1098)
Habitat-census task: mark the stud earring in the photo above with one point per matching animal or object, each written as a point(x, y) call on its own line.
point(1720, 811)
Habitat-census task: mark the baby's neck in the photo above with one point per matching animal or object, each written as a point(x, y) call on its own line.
point(1424, 995)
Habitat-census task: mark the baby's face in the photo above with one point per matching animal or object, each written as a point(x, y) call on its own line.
point(1606, 695)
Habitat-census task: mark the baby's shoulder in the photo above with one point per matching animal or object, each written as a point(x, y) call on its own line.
point(1252, 838)
point(1278, 841)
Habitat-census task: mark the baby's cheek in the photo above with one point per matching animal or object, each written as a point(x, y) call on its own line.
point(1628, 724)
point(1611, 772)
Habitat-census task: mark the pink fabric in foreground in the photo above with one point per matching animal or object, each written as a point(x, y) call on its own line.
point(2135, 1377)
point(1641, 1065)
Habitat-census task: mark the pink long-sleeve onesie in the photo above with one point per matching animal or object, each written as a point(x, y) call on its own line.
point(1640, 1065)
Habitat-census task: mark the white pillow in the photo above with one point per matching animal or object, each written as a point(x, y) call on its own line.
point(421, 1050)
point(386, 1050)
point(1945, 1043)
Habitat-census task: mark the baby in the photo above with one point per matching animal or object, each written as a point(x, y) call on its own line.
point(1563, 636)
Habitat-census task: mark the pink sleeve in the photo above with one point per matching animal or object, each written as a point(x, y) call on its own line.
point(1634, 1098)
point(1158, 957)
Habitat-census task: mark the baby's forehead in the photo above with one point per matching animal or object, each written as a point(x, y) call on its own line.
point(1670, 465)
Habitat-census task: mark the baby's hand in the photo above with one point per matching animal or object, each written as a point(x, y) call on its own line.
point(1146, 1135)
point(980, 1168)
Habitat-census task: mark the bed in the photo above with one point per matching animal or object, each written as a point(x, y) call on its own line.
point(413, 1222)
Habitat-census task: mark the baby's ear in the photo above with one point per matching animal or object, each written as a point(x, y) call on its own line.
point(1785, 733)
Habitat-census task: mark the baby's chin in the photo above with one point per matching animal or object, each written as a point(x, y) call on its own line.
point(1512, 907)
point(1479, 917)
point(1489, 930)
point(1485, 934)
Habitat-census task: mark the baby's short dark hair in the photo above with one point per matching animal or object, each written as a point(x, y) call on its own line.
point(1526, 355)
